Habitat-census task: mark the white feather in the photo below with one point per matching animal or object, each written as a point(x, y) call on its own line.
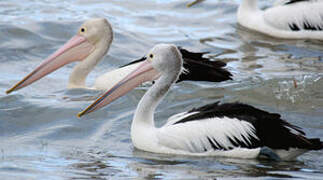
point(111, 78)
point(276, 21)
point(281, 17)
point(193, 136)
point(177, 117)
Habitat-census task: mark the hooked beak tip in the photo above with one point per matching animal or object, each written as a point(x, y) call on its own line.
point(13, 88)
point(9, 90)
point(80, 114)
point(85, 111)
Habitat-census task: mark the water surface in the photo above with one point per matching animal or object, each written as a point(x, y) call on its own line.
point(41, 137)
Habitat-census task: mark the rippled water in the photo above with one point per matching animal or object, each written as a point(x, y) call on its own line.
point(41, 137)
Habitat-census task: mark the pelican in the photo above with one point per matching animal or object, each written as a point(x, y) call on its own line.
point(92, 42)
point(288, 19)
point(232, 130)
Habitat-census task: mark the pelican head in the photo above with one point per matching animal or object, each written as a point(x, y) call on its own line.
point(96, 30)
point(165, 58)
point(162, 61)
point(88, 46)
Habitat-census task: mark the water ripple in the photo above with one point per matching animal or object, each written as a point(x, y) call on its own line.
point(41, 137)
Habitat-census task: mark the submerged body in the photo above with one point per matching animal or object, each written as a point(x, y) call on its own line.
point(231, 130)
point(111, 78)
point(289, 19)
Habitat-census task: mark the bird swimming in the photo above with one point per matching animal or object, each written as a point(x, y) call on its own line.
point(231, 129)
point(288, 19)
point(92, 42)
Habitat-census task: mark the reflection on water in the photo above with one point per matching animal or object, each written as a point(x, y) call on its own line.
point(154, 166)
point(41, 136)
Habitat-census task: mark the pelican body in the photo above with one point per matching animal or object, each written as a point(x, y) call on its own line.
point(231, 130)
point(288, 19)
point(92, 42)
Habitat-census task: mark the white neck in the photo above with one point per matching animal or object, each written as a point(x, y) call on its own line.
point(247, 6)
point(82, 69)
point(144, 116)
point(248, 14)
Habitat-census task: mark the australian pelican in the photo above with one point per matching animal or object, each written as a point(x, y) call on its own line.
point(289, 19)
point(231, 130)
point(92, 42)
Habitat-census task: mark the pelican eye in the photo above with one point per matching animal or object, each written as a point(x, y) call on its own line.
point(151, 56)
point(83, 30)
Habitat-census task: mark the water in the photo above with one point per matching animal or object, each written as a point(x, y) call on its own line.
point(41, 137)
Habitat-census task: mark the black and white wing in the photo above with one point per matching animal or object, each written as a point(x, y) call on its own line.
point(296, 15)
point(232, 125)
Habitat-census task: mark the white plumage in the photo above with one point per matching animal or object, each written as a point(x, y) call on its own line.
point(231, 129)
point(111, 78)
point(288, 19)
point(197, 139)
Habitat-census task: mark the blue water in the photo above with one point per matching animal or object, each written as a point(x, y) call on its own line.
point(41, 137)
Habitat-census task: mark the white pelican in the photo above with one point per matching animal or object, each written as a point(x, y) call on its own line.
point(289, 19)
point(92, 42)
point(232, 130)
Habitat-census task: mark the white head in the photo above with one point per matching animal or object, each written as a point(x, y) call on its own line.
point(162, 61)
point(90, 43)
point(97, 31)
point(165, 58)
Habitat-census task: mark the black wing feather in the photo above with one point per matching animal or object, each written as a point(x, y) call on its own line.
point(295, 1)
point(134, 62)
point(271, 130)
point(202, 69)
point(199, 68)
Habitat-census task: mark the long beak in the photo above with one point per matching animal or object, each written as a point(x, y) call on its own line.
point(76, 49)
point(145, 72)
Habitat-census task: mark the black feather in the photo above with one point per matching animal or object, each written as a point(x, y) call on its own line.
point(199, 68)
point(134, 62)
point(308, 26)
point(212, 144)
point(293, 27)
point(202, 69)
point(271, 130)
point(296, 1)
